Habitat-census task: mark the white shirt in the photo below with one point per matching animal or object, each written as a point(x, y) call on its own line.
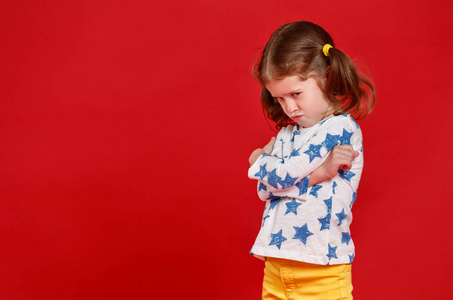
point(308, 224)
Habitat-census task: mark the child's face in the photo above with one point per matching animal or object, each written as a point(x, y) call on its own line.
point(302, 100)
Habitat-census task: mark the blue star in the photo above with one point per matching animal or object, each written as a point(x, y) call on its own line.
point(294, 134)
point(313, 151)
point(272, 197)
point(346, 137)
point(273, 178)
point(264, 220)
point(341, 216)
point(314, 190)
point(325, 222)
point(332, 252)
point(345, 238)
point(328, 203)
point(295, 152)
point(273, 203)
point(346, 175)
point(277, 239)
point(265, 154)
point(303, 186)
point(302, 233)
point(334, 185)
point(354, 197)
point(288, 181)
point(262, 172)
point(331, 141)
point(292, 207)
point(262, 186)
point(351, 258)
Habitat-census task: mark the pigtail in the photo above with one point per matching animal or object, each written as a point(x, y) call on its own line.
point(353, 92)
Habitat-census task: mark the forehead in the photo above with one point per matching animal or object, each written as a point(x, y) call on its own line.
point(288, 84)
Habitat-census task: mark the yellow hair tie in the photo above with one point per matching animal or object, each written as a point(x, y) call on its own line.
point(326, 48)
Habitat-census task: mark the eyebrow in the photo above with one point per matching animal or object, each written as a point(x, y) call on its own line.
point(291, 92)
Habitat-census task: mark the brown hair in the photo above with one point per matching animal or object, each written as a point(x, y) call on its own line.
point(297, 49)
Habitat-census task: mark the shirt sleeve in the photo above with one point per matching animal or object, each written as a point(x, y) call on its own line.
point(287, 174)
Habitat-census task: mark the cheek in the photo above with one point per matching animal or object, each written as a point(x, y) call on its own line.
point(283, 106)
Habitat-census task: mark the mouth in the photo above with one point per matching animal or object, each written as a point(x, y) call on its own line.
point(296, 118)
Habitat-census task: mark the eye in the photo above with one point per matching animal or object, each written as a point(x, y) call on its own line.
point(278, 99)
point(295, 95)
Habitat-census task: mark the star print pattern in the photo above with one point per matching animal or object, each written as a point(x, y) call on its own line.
point(263, 172)
point(330, 141)
point(313, 151)
point(328, 203)
point(332, 252)
point(295, 152)
point(354, 197)
point(314, 190)
point(341, 216)
point(288, 181)
point(345, 139)
point(272, 197)
point(325, 222)
point(292, 207)
point(294, 135)
point(273, 203)
point(264, 220)
point(297, 218)
point(277, 239)
point(274, 179)
point(302, 233)
point(346, 175)
point(345, 237)
point(302, 186)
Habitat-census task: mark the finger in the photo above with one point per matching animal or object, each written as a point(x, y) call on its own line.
point(271, 142)
point(346, 167)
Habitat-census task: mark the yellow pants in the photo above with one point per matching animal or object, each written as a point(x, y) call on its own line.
point(288, 279)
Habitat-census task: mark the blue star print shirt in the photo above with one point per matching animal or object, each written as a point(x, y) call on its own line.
point(308, 224)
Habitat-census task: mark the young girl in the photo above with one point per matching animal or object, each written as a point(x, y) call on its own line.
point(310, 173)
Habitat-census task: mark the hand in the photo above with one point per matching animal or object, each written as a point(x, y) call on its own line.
point(266, 149)
point(340, 157)
point(270, 146)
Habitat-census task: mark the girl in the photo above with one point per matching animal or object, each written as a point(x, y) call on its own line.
point(310, 173)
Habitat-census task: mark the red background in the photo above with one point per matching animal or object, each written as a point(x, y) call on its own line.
point(126, 126)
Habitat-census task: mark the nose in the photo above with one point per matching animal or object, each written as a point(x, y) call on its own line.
point(291, 106)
